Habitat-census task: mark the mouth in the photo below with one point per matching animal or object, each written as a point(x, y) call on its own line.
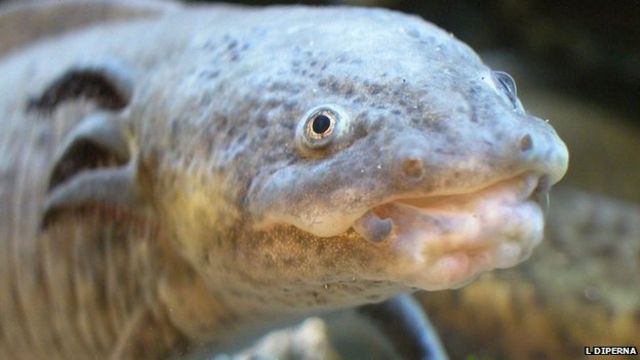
point(445, 241)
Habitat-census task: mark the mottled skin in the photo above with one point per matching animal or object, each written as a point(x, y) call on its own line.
point(202, 217)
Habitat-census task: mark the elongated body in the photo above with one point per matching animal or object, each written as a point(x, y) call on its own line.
point(186, 178)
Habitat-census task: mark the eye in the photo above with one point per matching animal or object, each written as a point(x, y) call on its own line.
point(320, 127)
point(506, 83)
point(321, 124)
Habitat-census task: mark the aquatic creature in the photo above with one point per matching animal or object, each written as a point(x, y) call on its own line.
point(186, 177)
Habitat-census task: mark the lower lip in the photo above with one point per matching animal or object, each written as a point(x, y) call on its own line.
point(450, 242)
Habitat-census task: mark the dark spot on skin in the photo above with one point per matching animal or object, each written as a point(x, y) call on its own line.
point(360, 130)
point(443, 151)
point(413, 32)
point(262, 122)
point(221, 121)
point(234, 57)
point(285, 87)
point(375, 89)
point(313, 63)
point(210, 45)
point(289, 105)
point(232, 45)
point(342, 58)
point(474, 116)
point(396, 112)
point(335, 86)
point(207, 98)
point(210, 74)
point(271, 104)
point(428, 41)
point(288, 125)
point(231, 131)
point(349, 90)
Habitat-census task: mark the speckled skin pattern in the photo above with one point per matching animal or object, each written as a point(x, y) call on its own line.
point(235, 226)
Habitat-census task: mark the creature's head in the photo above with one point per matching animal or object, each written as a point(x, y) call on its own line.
point(343, 154)
point(371, 151)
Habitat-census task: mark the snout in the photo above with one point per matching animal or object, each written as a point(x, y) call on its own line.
point(467, 163)
point(544, 152)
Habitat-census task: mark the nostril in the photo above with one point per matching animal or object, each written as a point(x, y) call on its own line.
point(413, 168)
point(526, 143)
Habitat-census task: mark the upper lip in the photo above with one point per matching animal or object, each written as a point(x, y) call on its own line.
point(535, 187)
point(376, 223)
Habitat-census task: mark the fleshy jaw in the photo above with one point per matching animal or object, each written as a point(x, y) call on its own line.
point(446, 241)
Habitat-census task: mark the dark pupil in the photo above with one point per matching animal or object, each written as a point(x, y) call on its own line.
point(321, 123)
